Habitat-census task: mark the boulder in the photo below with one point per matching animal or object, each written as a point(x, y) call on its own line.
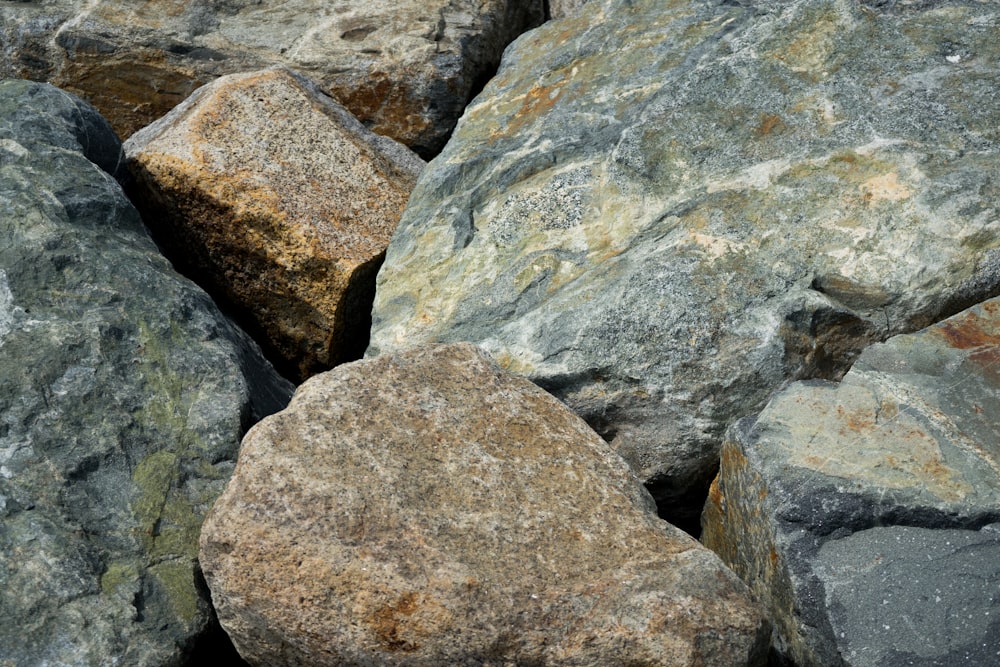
point(281, 204)
point(863, 514)
point(405, 68)
point(123, 397)
point(427, 508)
point(562, 8)
point(663, 212)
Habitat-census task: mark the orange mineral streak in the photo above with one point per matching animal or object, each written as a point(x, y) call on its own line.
point(972, 331)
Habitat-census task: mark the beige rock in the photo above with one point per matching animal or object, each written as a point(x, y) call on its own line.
point(430, 509)
point(281, 203)
point(562, 8)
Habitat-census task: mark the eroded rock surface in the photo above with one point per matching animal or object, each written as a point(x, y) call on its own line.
point(427, 508)
point(123, 397)
point(281, 203)
point(857, 511)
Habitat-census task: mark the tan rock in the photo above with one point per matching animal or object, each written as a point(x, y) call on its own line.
point(430, 509)
point(281, 203)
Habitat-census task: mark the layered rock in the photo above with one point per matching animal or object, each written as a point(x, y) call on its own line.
point(865, 514)
point(426, 508)
point(281, 204)
point(662, 212)
point(406, 69)
point(124, 394)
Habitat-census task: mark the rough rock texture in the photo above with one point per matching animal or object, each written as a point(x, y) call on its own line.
point(662, 211)
point(405, 68)
point(281, 204)
point(562, 8)
point(123, 397)
point(428, 509)
point(811, 499)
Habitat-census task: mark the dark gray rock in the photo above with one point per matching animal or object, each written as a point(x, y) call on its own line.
point(123, 397)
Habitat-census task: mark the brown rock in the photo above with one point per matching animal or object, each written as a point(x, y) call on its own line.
point(281, 203)
point(430, 509)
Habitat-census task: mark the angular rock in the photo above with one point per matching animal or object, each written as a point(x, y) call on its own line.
point(856, 511)
point(662, 212)
point(281, 204)
point(429, 509)
point(123, 397)
point(406, 69)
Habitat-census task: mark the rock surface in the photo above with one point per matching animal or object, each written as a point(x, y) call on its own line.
point(562, 8)
point(123, 397)
point(866, 500)
point(428, 509)
point(405, 68)
point(280, 203)
point(662, 212)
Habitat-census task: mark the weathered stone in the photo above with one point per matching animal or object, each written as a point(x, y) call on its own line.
point(281, 204)
point(663, 211)
point(429, 509)
point(123, 397)
point(406, 69)
point(816, 484)
point(562, 8)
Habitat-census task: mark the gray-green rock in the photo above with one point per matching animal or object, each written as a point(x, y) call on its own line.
point(813, 496)
point(663, 211)
point(123, 397)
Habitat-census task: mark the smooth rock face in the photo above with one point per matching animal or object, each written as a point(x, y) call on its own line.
point(663, 211)
point(281, 204)
point(812, 497)
point(406, 69)
point(123, 397)
point(428, 509)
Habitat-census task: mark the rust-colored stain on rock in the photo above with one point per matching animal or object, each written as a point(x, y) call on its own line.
point(386, 623)
point(975, 331)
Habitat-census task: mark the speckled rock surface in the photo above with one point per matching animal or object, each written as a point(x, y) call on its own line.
point(281, 204)
point(405, 68)
point(562, 8)
point(428, 509)
point(123, 397)
point(809, 492)
point(662, 211)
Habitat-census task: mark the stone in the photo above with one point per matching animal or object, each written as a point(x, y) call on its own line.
point(427, 508)
point(662, 212)
point(123, 397)
point(406, 69)
point(281, 204)
point(858, 509)
point(562, 8)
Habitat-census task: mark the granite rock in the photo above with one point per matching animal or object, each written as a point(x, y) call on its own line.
point(281, 204)
point(849, 507)
point(123, 397)
point(558, 9)
point(664, 211)
point(427, 508)
point(406, 69)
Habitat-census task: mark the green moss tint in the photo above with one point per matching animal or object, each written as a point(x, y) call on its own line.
point(176, 579)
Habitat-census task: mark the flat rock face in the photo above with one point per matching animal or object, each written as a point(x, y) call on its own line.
point(428, 509)
point(662, 211)
point(406, 69)
point(281, 203)
point(123, 395)
point(845, 503)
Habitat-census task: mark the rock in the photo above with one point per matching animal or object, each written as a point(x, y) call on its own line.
point(428, 509)
point(406, 69)
point(123, 397)
point(843, 505)
point(281, 204)
point(562, 8)
point(662, 213)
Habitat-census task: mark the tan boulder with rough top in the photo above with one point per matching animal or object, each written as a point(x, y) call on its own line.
point(427, 508)
point(280, 203)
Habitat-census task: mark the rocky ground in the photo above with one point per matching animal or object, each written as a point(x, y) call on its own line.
point(731, 268)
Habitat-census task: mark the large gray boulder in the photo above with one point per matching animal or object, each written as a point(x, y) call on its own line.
point(427, 508)
point(406, 68)
point(662, 212)
point(864, 514)
point(123, 397)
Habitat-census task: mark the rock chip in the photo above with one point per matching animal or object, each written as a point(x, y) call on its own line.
point(856, 511)
point(281, 204)
point(662, 212)
point(405, 68)
point(427, 508)
point(123, 397)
